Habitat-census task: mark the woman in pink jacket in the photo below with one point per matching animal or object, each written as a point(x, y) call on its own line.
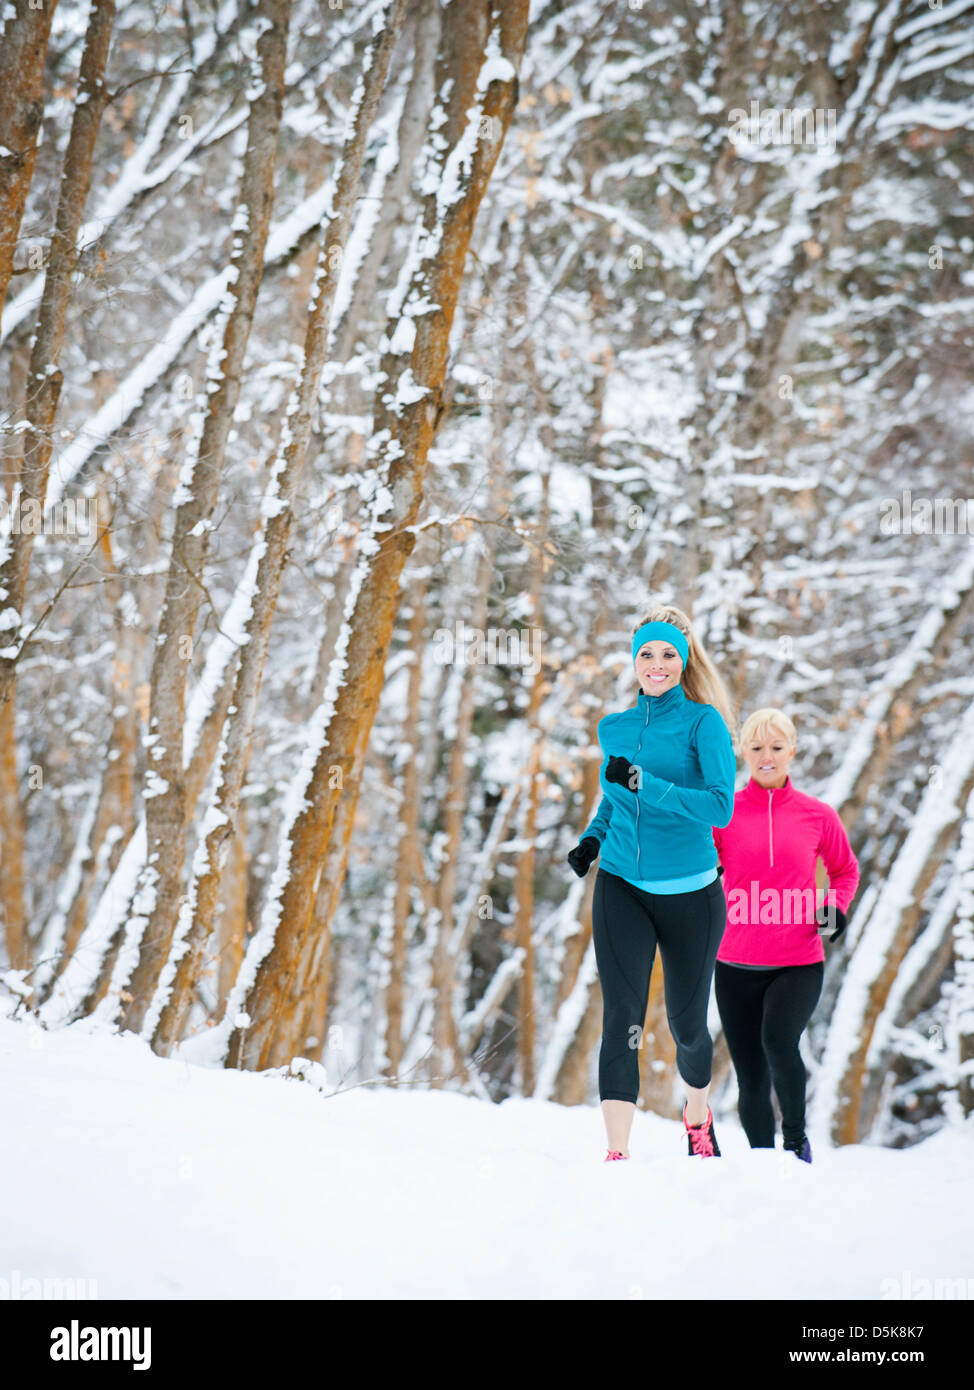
point(770, 963)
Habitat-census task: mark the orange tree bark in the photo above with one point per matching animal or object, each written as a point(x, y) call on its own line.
point(11, 845)
point(445, 1060)
point(571, 1080)
point(468, 127)
point(166, 802)
point(89, 971)
point(44, 376)
point(22, 53)
point(115, 813)
point(887, 936)
point(408, 837)
point(43, 381)
point(170, 1009)
point(524, 877)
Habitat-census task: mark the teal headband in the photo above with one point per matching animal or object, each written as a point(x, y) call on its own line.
point(668, 632)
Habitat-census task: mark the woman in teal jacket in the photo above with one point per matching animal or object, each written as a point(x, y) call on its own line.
point(667, 779)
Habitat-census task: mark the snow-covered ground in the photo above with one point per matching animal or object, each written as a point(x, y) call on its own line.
point(160, 1179)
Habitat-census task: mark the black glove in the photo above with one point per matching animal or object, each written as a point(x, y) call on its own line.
point(823, 920)
point(624, 772)
point(583, 854)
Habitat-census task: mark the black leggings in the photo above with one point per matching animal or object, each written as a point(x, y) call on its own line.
point(627, 923)
point(764, 1013)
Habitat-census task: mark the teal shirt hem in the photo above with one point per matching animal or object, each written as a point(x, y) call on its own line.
point(686, 884)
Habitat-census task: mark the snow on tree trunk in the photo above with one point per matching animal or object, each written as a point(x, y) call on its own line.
point(444, 1059)
point(232, 925)
point(407, 852)
point(23, 49)
point(167, 807)
point(476, 86)
point(869, 749)
point(921, 972)
point(173, 996)
point(177, 94)
point(89, 972)
point(390, 187)
point(524, 873)
point(11, 843)
point(960, 1029)
point(577, 1026)
point(114, 820)
point(885, 940)
point(44, 376)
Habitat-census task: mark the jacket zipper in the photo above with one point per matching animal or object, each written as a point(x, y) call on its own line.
point(638, 747)
point(770, 836)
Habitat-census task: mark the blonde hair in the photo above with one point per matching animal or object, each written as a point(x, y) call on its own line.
point(762, 720)
point(699, 678)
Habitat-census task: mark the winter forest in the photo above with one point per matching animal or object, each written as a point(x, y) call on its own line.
point(367, 367)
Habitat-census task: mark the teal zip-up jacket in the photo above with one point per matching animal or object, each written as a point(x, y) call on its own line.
point(687, 763)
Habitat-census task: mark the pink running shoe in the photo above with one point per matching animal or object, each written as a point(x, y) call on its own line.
point(614, 1153)
point(701, 1140)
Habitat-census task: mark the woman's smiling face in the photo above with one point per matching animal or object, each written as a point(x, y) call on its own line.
point(659, 667)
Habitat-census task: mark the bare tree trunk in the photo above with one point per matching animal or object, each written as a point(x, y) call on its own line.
point(21, 117)
point(885, 940)
point(26, 30)
point(960, 1021)
point(468, 915)
point(584, 1009)
point(815, 220)
point(277, 511)
point(44, 378)
point(11, 844)
point(408, 849)
point(413, 372)
point(657, 1052)
point(315, 994)
point(524, 877)
point(89, 971)
point(232, 924)
point(307, 1004)
point(116, 810)
point(447, 1056)
point(179, 92)
point(869, 751)
point(18, 367)
point(165, 797)
point(918, 982)
point(412, 129)
point(309, 992)
point(444, 1056)
point(571, 1082)
point(334, 617)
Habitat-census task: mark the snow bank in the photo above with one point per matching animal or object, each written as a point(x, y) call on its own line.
point(159, 1179)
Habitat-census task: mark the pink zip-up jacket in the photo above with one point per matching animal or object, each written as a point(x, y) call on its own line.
point(768, 851)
